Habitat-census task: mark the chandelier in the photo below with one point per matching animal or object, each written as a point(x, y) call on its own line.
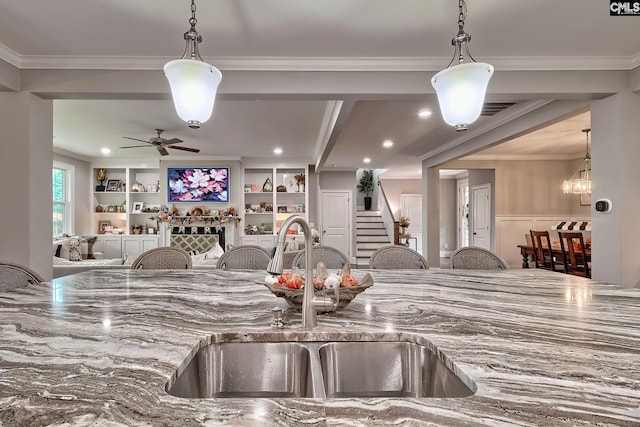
point(580, 181)
point(193, 82)
point(461, 88)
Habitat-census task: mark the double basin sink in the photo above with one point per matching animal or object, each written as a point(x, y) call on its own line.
point(397, 368)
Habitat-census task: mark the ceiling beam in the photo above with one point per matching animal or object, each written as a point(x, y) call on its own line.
point(145, 84)
point(9, 77)
point(537, 118)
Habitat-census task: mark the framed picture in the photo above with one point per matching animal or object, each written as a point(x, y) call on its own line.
point(113, 185)
point(213, 184)
point(137, 207)
point(102, 226)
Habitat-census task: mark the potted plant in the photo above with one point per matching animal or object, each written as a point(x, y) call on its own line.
point(366, 186)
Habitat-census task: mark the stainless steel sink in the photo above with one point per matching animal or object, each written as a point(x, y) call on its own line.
point(387, 369)
point(267, 369)
point(319, 369)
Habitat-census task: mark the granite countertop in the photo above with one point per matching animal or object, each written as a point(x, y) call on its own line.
point(543, 348)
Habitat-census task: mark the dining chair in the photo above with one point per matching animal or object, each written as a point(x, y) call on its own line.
point(543, 252)
point(164, 258)
point(13, 276)
point(330, 256)
point(244, 257)
point(397, 257)
point(476, 258)
point(575, 253)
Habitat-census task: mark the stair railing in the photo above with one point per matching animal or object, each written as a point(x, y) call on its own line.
point(391, 224)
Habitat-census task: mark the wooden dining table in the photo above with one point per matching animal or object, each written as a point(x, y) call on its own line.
point(526, 250)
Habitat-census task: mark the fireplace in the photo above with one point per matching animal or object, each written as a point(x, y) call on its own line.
point(200, 236)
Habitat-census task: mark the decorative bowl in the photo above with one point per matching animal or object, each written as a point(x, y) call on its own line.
point(345, 295)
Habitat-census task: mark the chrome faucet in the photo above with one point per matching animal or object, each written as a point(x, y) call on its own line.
point(309, 318)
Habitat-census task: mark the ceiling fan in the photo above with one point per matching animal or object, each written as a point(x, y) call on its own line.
point(162, 144)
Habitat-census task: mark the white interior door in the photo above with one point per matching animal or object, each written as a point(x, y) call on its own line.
point(481, 196)
point(336, 220)
point(411, 206)
point(463, 213)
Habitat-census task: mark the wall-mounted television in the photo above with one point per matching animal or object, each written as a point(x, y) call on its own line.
point(198, 184)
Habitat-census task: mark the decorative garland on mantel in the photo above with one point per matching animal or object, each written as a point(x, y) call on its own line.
point(215, 221)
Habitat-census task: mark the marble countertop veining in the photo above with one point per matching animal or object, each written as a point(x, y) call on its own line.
point(543, 348)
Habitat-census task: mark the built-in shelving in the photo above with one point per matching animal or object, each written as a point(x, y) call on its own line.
point(126, 189)
point(265, 211)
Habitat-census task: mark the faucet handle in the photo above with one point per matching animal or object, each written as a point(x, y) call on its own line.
point(277, 321)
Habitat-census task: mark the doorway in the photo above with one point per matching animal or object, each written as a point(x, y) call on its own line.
point(336, 220)
point(463, 213)
point(411, 207)
point(481, 216)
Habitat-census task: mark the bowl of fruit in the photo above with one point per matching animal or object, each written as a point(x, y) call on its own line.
point(341, 286)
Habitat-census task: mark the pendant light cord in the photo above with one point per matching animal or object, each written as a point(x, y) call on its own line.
point(193, 21)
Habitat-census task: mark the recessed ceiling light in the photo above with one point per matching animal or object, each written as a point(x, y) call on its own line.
point(105, 151)
point(424, 113)
point(366, 160)
point(277, 150)
point(387, 144)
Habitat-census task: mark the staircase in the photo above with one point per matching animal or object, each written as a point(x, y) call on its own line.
point(370, 235)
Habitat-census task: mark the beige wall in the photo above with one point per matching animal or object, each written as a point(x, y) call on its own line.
point(530, 188)
point(527, 195)
point(394, 188)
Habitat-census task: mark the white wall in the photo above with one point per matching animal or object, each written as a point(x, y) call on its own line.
point(448, 214)
point(26, 156)
point(616, 175)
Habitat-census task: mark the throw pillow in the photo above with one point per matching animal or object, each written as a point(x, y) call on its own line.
point(61, 248)
point(87, 249)
point(75, 251)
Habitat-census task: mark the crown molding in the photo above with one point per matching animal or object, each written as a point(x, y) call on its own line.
point(635, 61)
point(9, 56)
point(71, 154)
point(406, 64)
point(515, 157)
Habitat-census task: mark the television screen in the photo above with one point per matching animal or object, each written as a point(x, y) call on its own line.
point(198, 184)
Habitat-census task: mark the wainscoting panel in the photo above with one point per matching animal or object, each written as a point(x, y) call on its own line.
point(511, 231)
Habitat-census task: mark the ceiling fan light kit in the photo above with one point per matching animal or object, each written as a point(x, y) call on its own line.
point(193, 82)
point(461, 88)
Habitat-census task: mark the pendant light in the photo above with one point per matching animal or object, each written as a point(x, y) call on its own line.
point(461, 88)
point(580, 181)
point(193, 82)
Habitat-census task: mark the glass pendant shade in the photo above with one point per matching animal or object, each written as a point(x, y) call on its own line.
point(194, 85)
point(578, 185)
point(580, 181)
point(461, 90)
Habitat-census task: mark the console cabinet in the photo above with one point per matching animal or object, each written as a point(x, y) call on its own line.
point(119, 246)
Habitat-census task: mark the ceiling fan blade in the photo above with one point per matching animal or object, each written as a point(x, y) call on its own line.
point(135, 146)
point(171, 141)
point(163, 151)
point(136, 139)
point(193, 150)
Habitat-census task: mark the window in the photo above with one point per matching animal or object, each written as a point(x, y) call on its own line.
point(62, 207)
